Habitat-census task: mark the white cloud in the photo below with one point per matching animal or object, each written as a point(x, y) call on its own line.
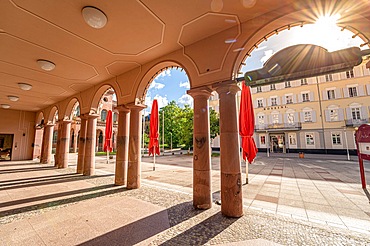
point(261, 48)
point(268, 54)
point(164, 73)
point(162, 101)
point(156, 85)
point(185, 84)
point(185, 99)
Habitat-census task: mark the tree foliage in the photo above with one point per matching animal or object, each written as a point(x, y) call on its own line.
point(178, 122)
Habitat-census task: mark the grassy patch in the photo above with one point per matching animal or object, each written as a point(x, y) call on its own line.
point(104, 153)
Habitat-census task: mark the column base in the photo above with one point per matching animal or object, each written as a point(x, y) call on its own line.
point(202, 195)
point(231, 195)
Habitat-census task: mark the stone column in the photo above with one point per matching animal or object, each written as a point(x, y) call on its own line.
point(231, 183)
point(74, 144)
point(47, 144)
point(122, 145)
point(81, 145)
point(57, 148)
point(134, 153)
point(64, 143)
point(89, 160)
point(202, 194)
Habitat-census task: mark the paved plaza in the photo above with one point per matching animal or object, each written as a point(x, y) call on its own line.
point(317, 200)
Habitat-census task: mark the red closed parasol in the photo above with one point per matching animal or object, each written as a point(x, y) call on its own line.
point(108, 132)
point(154, 134)
point(246, 125)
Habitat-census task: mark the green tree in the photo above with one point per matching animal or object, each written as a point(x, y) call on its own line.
point(214, 122)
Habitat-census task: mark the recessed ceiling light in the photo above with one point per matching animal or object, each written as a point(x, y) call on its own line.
point(24, 86)
point(46, 65)
point(94, 17)
point(5, 105)
point(13, 98)
point(230, 40)
point(238, 49)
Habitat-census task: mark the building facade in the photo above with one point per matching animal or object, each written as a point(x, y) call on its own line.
point(311, 115)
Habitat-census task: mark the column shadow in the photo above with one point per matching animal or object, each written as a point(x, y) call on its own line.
point(36, 179)
point(367, 194)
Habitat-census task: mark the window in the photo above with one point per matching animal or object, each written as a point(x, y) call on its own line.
point(260, 103)
point(275, 118)
point(336, 138)
point(292, 140)
point(114, 117)
point(333, 114)
point(305, 97)
point(273, 101)
point(103, 115)
point(352, 92)
point(272, 87)
point(328, 77)
point(307, 116)
point(261, 119)
point(287, 84)
point(263, 140)
point(289, 99)
point(310, 139)
point(331, 94)
point(290, 118)
point(55, 137)
point(259, 89)
point(356, 113)
point(350, 74)
point(303, 81)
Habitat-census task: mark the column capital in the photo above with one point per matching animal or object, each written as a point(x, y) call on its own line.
point(91, 116)
point(203, 91)
point(49, 125)
point(226, 86)
point(136, 106)
point(122, 108)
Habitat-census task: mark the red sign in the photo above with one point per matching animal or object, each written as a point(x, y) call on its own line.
point(363, 149)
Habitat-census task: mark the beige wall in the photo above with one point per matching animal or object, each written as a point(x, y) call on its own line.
point(22, 125)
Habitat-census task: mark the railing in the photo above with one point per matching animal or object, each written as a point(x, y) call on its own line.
point(280, 126)
point(356, 122)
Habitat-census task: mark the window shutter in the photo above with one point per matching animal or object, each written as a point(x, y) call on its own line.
point(280, 119)
point(312, 97)
point(265, 120)
point(348, 113)
point(296, 117)
point(313, 116)
point(300, 98)
point(285, 118)
point(278, 100)
point(340, 114)
point(302, 117)
point(364, 113)
point(327, 115)
point(325, 95)
point(294, 98)
point(269, 102)
point(284, 99)
point(264, 102)
point(345, 92)
point(368, 89)
point(361, 91)
point(338, 94)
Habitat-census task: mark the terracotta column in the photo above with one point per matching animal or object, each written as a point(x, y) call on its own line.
point(134, 153)
point(74, 144)
point(47, 144)
point(81, 145)
point(122, 145)
point(57, 148)
point(64, 143)
point(231, 183)
point(89, 160)
point(202, 194)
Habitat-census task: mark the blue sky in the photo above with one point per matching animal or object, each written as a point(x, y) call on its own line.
point(172, 84)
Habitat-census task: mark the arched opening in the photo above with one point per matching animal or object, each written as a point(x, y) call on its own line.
point(39, 132)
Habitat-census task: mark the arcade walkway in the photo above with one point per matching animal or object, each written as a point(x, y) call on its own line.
point(288, 201)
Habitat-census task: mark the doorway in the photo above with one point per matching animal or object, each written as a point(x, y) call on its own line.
point(277, 143)
point(6, 146)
